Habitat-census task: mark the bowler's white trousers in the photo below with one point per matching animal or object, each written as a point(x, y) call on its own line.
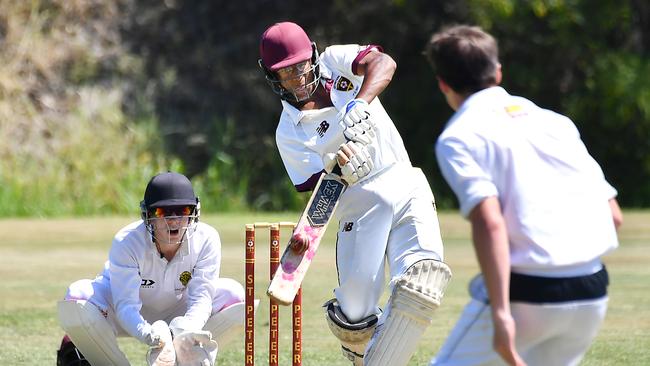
point(556, 334)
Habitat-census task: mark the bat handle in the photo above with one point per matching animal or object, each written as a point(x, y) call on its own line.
point(337, 170)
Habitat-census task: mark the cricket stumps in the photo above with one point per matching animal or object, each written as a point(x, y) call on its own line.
point(274, 311)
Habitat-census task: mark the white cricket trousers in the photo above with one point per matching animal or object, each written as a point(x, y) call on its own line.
point(556, 334)
point(97, 292)
point(388, 218)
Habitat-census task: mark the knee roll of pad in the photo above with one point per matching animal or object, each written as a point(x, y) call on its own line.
point(423, 283)
point(353, 336)
point(416, 295)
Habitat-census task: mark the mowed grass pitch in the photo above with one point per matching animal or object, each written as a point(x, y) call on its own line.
point(39, 258)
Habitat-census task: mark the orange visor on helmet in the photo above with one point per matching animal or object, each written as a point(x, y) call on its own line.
point(160, 212)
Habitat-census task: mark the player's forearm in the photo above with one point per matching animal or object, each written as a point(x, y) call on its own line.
point(491, 244)
point(617, 214)
point(132, 322)
point(378, 73)
point(492, 252)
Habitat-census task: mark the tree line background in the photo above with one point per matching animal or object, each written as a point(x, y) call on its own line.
point(96, 96)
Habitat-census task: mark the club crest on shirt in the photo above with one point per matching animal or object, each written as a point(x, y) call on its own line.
point(343, 84)
point(185, 277)
point(515, 111)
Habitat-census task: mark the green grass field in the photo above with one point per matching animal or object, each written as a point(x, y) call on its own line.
point(39, 258)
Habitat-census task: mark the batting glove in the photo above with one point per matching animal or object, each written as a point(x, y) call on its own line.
point(355, 161)
point(357, 124)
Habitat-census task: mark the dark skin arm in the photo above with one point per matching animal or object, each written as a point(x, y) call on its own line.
point(378, 69)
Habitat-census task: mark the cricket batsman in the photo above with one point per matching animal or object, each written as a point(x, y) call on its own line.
point(331, 115)
point(160, 285)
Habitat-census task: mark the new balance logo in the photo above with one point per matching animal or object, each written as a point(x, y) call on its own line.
point(322, 128)
point(348, 226)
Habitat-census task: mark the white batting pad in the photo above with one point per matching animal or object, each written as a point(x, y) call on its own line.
point(353, 336)
point(416, 295)
point(228, 323)
point(90, 332)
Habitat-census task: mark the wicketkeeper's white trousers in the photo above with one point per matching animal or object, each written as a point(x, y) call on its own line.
point(97, 292)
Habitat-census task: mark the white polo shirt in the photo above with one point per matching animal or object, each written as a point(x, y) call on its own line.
point(553, 194)
point(144, 285)
point(304, 137)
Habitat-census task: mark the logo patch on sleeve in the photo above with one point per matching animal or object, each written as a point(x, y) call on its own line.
point(343, 84)
point(185, 277)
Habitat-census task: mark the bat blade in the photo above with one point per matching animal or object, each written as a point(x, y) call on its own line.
point(313, 223)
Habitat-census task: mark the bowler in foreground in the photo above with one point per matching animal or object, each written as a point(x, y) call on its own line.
point(541, 211)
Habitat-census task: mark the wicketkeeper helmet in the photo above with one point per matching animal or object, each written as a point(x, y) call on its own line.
point(168, 190)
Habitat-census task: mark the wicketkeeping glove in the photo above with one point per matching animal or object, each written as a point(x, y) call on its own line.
point(195, 348)
point(358, 126)
point(161, 351)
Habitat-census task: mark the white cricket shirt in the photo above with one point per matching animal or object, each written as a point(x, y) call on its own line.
point(553, 194)
point(304, 137)
point(143, 283)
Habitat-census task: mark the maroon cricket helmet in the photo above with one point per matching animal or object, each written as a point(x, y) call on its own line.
point(284, 44)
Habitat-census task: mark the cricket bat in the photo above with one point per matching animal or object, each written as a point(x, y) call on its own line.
point(313, 223)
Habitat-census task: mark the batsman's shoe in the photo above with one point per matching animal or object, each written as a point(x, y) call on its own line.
point(353, 336)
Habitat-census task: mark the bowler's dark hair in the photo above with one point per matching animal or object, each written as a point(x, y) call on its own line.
point(464, 57)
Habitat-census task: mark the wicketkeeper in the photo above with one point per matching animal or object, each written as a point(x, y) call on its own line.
point(160, 285)
point(331, 115)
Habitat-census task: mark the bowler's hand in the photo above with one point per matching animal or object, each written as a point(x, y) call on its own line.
point(504, 340)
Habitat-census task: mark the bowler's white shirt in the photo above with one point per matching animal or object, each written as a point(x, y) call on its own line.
point(304, 137)
point(143, 283)
point(553, 194)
